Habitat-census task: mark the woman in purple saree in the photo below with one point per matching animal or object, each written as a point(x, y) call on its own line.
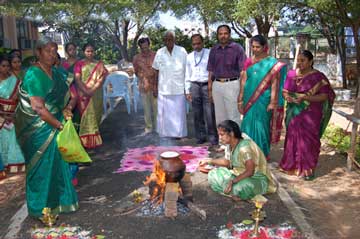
point(309, 99)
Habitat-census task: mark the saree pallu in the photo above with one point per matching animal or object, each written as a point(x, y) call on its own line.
point(90, 108)
point(68, 67)
point(260, 183)
point(262, 126)
point(20, 75)
point(12, 157)
point(305, 123)
point(48, 180)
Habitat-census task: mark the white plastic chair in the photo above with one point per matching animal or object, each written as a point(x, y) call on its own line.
point(119, 88)
point(136, 93)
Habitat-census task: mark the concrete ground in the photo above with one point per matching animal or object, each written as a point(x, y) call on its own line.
point(323, 205)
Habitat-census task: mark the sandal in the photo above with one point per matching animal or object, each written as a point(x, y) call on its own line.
point(310, 177)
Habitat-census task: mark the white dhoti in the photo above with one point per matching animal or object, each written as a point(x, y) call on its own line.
point(171, 119)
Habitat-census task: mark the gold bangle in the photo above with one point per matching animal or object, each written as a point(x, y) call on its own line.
point(61, 127)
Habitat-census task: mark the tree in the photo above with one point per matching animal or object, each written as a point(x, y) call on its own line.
point(301, 15)
point(115, 19)
point(243, 15)
point(347, 12)
point(135, 15)
point(264, 13)
point(204, 10)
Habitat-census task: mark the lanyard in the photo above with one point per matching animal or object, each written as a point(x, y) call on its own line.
point(201, 57)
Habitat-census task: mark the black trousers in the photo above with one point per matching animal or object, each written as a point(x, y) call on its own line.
point(204, 113)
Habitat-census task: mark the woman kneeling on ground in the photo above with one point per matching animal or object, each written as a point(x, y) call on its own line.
point(246, 174)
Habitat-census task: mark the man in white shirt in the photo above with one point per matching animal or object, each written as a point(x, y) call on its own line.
point(196, 89)
point(170, 66)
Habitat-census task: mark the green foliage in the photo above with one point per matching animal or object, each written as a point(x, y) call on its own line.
point(183, 40)
point(338, 138)
point(156, 37)
point(4, 51)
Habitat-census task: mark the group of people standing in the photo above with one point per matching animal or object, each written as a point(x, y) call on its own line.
point(36, 104)
point(225, 87)
point(221, 84)
point(11, 75)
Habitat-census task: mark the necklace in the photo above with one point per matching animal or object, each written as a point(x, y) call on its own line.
point(49, 73)
point(201, 57)
point(301, 75)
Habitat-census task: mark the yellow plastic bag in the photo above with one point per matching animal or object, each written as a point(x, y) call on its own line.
point(70, 146)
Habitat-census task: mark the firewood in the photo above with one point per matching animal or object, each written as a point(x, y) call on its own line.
point(199, 212)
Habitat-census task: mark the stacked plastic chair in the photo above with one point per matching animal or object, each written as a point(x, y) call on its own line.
point(136, 93)
point(116, 85)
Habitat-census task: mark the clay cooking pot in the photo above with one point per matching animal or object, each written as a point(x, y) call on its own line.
point(172, 165)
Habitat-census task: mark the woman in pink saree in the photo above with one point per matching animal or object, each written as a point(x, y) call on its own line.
point(309, 99)
point(89, 78)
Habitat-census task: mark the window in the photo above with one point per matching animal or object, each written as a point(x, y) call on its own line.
point(21, 29)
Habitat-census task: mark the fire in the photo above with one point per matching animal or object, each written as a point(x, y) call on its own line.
point(156, 182)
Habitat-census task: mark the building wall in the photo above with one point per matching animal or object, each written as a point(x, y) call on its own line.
point(9, 26)
point(11, 38)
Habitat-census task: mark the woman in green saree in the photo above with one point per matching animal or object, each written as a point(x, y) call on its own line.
point(44, 97)
point(246, 174)
point(89, 77)
point(260, 99)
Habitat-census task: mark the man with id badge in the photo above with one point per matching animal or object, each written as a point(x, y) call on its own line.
point(196, 89)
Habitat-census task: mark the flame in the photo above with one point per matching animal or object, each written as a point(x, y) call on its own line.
point(158, 177)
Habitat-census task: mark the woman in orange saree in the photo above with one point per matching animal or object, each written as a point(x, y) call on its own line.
point(89, 77)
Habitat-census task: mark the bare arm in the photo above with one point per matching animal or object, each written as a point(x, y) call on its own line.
point(287, 96)
point(216, 162)
point(210, 83)
point(38, 105)
point(81, 85)
point(67, 112)
point(156, 83)
point(249, 171)
point(73, 100)
point(98, 83)
point(240, 100)
point(315, 98)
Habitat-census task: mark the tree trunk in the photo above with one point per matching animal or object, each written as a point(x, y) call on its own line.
point(125, 33)
point(355, 29)
point(134, 46)
point(263, 25)
point(340, 44)
point(206, 27)
point(241, 31)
